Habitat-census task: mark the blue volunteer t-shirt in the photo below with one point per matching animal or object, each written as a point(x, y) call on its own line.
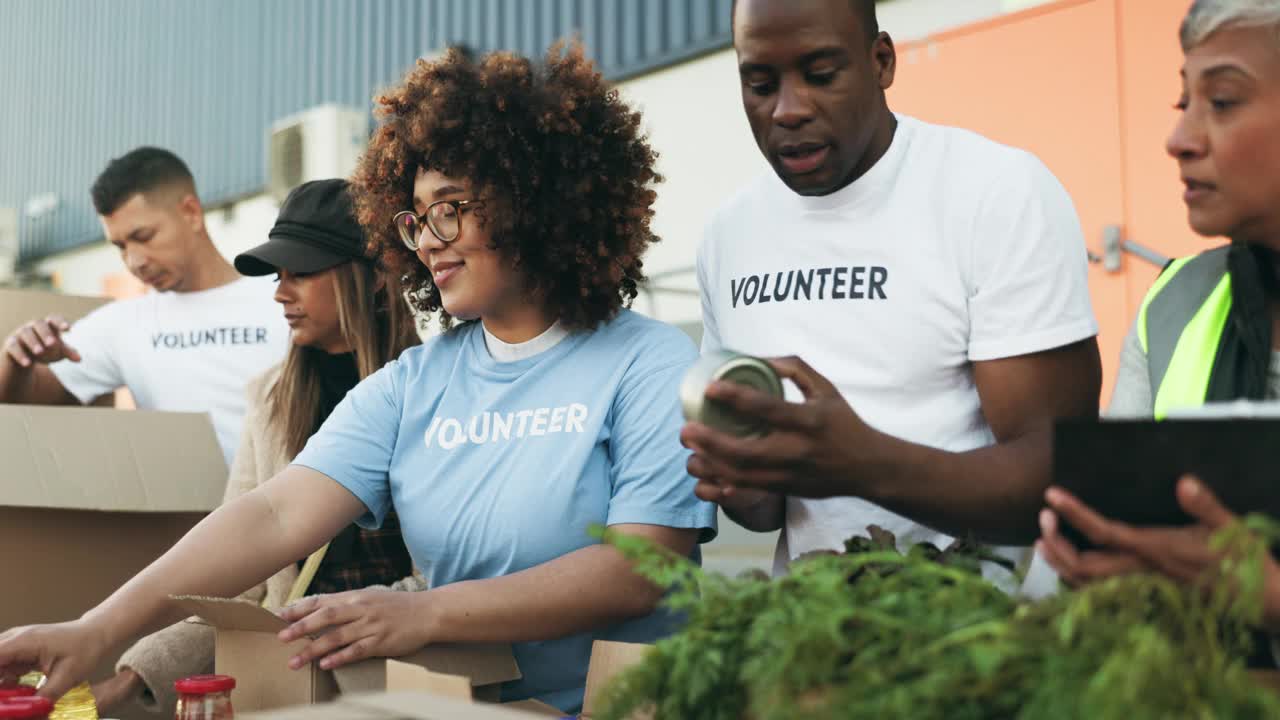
point(496, 467)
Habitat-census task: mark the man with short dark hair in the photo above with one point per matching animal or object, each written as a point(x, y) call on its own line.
point(192, 345)
point(934, 283)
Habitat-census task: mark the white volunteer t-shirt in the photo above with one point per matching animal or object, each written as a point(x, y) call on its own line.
point(951, 249)
point(182, 352)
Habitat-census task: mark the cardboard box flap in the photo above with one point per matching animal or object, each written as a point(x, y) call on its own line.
point(404, 676)
point(110, 460)
point(463, 671)
point(425, 706)
point(537, 707)
point(482, 664)
point(230, 614)
point(18, 307)
point(607, 660)
point(315, 712)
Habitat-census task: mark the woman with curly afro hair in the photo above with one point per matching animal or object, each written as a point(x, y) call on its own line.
point(515, 197)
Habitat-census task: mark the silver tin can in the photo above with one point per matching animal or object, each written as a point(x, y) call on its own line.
point(730, 367)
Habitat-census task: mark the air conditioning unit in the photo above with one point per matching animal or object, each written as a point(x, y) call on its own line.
point(317, 144)
point(8, 245)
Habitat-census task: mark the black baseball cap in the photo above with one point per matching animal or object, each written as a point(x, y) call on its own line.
point(315, 230)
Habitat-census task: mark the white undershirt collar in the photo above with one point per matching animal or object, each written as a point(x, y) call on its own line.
point(505, 352)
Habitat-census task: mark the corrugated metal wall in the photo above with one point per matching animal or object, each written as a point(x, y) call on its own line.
point(82, 82)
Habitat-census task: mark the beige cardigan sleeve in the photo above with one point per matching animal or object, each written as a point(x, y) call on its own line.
point(186, 648)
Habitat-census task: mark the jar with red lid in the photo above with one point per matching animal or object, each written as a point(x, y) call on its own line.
point(205, 697)
point(27, 707)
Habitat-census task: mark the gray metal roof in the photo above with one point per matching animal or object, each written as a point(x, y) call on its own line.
point(82, 82)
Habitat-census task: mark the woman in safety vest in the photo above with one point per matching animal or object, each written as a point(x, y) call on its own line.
point(1207, 330)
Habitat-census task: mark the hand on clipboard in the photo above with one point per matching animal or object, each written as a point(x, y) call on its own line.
point(1181, 552)
point(1128, 470)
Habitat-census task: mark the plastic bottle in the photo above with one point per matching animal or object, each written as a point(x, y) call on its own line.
point(77, 704)
point(8, 692)
point(27, 707)
point(205, 697)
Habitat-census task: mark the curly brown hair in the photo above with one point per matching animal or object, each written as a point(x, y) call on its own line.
point(561, 163)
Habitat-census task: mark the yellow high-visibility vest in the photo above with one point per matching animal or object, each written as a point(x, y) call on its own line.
point(1180, 328)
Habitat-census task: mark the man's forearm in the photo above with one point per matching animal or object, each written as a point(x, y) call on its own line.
point(236, 547)
point(35, 385)
point(755, 510)
point(14, 381)
point(992, 493)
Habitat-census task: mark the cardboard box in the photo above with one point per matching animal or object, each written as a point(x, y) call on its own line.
point(91, 496)
point(408, 677)
point(20, 306)
point(608, 659)
point(416, 693)
point(402, 705)
point(247, 649)
point(17, 307)
point(419, 705)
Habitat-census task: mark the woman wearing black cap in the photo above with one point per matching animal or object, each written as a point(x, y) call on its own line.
point(345, 325)
point(516, 197)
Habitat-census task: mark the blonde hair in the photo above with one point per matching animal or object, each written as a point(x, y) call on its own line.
point(375, 321)
point(1207, 17)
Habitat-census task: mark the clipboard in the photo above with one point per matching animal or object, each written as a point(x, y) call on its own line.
point(1128, 470)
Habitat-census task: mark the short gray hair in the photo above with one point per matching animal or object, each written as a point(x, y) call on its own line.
point(1209, 16)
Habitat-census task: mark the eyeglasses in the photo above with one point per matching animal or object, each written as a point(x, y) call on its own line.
point(441, 218)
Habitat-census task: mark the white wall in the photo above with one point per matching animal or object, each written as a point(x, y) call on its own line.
point(234, 229)
point(693, 114)
point(907, 20)
point(81, 271)
point(243, 225)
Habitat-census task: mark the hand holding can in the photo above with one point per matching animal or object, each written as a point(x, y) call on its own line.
point(732, 367)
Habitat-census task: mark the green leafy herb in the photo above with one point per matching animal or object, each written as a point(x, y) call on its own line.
point(874, 633)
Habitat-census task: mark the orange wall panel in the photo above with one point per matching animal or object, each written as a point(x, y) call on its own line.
point(122, 286)
point(1149, 62)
